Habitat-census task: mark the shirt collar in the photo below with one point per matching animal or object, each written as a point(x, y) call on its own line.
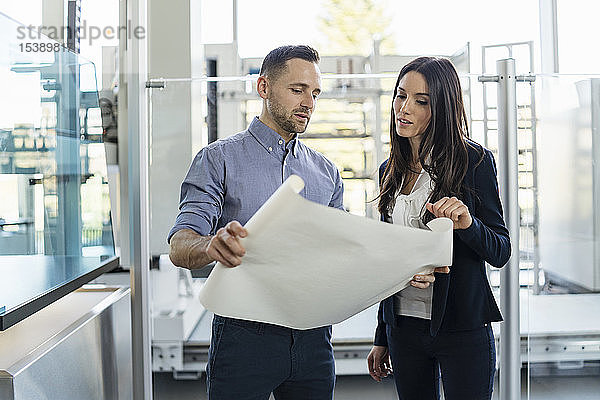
point(270, 139)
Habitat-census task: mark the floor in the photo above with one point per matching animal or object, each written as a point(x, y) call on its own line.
point(363, 387)
point(347, 388)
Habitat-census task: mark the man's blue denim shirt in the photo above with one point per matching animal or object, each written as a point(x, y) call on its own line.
point(231, 178)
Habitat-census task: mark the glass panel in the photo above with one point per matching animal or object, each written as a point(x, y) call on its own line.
point(560, 338)
point(564, 322)
point(558, 248)
point(350, 126)
point(55, 224)
point(178, 130)
point(559, 263)
point(559, 279)
point(343, 128)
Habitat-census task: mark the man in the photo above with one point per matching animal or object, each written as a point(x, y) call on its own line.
point(227, 183)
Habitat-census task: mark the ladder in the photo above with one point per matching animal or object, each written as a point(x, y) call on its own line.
point(523, 53)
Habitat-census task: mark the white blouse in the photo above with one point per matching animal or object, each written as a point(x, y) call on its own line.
point(408, 211)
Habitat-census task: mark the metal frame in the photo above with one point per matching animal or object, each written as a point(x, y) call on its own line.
point(136, 58)
point(595, 109)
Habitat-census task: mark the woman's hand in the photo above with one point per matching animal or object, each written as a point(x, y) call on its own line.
point(453, 208)
point(423, 281)
point(379, 363)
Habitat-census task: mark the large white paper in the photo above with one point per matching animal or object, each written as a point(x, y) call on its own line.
point(308, 265)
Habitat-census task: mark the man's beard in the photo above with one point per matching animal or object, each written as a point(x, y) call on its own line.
point(285, 120)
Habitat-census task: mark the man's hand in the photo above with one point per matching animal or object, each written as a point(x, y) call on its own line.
point(379, 363)
point(453, 208)
point(225, 246)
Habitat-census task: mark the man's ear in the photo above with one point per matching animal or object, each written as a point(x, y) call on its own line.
point(262, 87)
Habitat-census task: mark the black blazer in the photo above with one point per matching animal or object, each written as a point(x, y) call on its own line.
point(463, 298)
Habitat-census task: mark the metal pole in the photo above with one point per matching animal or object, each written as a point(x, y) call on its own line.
point(377, 99)
point(137, 123)
point(123, 136)
point(508, 165)
point(378, 130)
point(235, 21)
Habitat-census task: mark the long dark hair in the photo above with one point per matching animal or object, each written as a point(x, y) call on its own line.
point(443, 150)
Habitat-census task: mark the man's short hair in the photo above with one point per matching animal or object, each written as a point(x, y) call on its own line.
point(275, 62)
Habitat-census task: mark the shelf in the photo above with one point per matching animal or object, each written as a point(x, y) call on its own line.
point(332, 136)
point(32, 282)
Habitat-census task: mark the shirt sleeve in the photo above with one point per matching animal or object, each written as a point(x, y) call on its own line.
point(202, 194)
point(337, 200)
point(487, 235)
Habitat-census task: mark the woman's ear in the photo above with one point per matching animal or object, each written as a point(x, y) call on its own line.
point(262, 87)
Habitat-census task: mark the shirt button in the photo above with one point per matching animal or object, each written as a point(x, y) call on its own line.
point(280, 141)
point(270, 148)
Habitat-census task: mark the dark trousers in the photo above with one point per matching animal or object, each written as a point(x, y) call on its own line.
point(466, 360)
point(250, 360)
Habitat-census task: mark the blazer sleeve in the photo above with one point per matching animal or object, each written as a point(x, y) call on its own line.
point(487, 235)
point(380, 331)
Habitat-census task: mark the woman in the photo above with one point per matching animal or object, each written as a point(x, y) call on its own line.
point(434, 171)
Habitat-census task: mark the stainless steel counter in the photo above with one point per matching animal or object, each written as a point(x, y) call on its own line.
point(79, 347)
